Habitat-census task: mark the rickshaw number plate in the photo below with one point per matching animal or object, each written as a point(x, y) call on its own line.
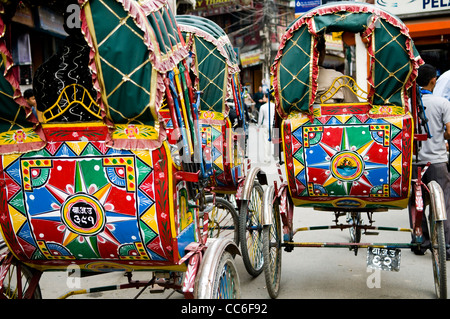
point(383, 258)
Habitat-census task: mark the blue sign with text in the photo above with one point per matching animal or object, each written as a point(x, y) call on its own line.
point(302, 6)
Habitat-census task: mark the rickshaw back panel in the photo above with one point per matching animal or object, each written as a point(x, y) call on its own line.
point(350, 156)
point(80, 202)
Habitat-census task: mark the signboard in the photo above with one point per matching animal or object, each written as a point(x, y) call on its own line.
point(24, 16)
point(251, 58)
point(51, 21)
point(302, 6)
point(216, 7)
point(415, 7)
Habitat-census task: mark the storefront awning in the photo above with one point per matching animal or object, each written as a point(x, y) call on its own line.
point(428, 31)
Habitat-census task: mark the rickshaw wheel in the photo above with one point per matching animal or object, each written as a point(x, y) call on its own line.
point(225, 283)
point(272, 245)
point(438, 248)
point(11, 287)
point(354, 219)
point(250, 229)
point(223, 219)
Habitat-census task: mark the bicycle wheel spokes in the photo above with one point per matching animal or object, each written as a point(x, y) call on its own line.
point(250, 229)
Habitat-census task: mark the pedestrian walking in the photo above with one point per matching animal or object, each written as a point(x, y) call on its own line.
point(249, 105)
point(260, 98)
point(265, 125)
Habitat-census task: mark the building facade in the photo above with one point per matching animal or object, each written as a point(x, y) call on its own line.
point(36, 34)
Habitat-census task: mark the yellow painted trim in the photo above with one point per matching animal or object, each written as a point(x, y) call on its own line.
point(171, 190)
point(412, 153)
point(229, 140)
point(71, 101)
point(343, 81)
point(182, 267)
point(82, 125)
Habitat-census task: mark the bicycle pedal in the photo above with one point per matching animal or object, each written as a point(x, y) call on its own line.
point(371, 233)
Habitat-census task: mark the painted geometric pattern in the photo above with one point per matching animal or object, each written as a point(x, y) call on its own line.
point(212, 143)
point(82, 200)
point(214, 146)
point(349, 156)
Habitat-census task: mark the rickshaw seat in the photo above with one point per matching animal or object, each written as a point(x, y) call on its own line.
point(349, 155)
point(342, 82)
point(73, 95)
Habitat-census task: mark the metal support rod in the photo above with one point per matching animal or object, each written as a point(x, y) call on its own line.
point(341, 227)
point(348, 245)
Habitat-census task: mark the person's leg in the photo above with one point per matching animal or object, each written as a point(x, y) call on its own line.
point(412, 210)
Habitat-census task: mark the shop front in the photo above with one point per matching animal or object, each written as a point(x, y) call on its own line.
point(429, 26)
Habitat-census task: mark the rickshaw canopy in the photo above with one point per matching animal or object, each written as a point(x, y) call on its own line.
point(295, 67)
point(133, 46)
point(214, 61)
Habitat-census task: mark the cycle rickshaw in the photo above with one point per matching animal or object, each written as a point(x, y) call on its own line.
point(221, 119)
point(93, 184)
point(349, 158)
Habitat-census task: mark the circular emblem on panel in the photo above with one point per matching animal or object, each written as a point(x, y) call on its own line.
point(104, 266)
point(347, 166)
point(348, 203)
point(83, 215)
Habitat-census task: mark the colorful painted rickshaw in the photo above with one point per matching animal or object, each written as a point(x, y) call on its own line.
point(220, 117)
point(94, 183)
point(349, 158)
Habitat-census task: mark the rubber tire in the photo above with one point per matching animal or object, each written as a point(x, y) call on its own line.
point(254, 260)
point(272, 251)
point(438, 252)
point(225, 270)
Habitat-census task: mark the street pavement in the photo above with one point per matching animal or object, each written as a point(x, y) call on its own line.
point(307, 273)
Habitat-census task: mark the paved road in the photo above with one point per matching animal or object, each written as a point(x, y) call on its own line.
point(311, 273)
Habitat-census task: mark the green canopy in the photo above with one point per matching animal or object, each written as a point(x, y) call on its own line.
point(296, 64)
point(214, 61)
point(135, 44)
